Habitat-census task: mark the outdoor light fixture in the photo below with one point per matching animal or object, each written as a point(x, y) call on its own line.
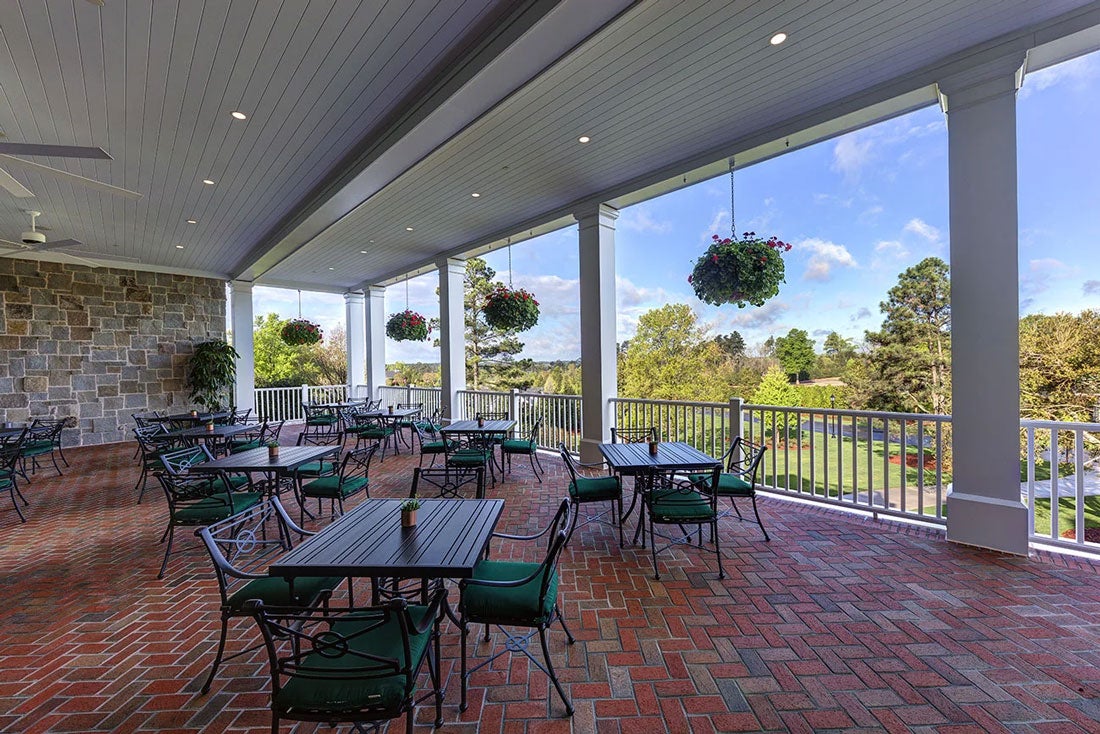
point(208, 182)
point(476, 195)
point(239, 115)
point(179, 247)
point(583, 139)
point(408, 229)
point(778, 38)
point(192, 221)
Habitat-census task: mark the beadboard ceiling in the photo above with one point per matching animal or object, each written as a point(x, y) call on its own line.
point(368, 118)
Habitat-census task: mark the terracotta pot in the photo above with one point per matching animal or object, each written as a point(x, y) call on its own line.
point(408, 518)
point(272, 452)
point(653, 448)
point(209, 427)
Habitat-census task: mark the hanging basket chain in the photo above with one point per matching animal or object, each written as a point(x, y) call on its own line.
point(733, 218)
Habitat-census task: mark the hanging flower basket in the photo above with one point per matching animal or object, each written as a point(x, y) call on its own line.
point(407, 326)
point(298, 332)
point(748, 270)
point(511, 309)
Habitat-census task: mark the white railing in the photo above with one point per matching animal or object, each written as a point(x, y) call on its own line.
point(478, 402)
point(430, 397)
point(706, 426)
point(325, 393)
point(1060, 462)
point(561, 419)
point(279, 404)
point(885, 463)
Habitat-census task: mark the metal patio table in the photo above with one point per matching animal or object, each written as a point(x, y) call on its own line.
point(259, 460)
point(635, 459)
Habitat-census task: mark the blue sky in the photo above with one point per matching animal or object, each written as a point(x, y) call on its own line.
point(858, 209)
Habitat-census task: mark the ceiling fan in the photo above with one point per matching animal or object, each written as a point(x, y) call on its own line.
point(33, 240)
point(16, 189)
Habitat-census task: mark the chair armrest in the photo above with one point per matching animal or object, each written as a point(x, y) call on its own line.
point(435, 611)
point(463, 583)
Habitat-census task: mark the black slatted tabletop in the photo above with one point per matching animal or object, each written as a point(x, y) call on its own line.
point(671, 455)
point(447, 541)
point(397, 413)
point(184, 417)
point(258, 460)
point(472, 427)
point(203, 432)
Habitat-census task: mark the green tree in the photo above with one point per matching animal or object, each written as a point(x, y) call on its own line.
point(776, 389)
point(795, 352)
point(490, 352)
point(671, 358)
point(732, 344)
point(909, 365)
point(277, 364)
point(1060, 366)
point(835, 353)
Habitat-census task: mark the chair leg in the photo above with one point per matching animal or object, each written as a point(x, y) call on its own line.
point(464, 631)
point(622, 544)
point(535, 458)
point(217, 656)
point(653, 549)
point(63, 459)
point(15, 504)
point(553, 675)
point(167, 551)
point(758, 520)
point(717, 549)
point(437, 676)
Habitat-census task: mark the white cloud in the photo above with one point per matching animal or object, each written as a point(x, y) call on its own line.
point(824, 256)
point(633, 301)
point(640, 219)
point(1041, 275)
point(756, 318)
point(863, 313)
point(1091, 288)
point(1076, 71)
point(556, 295)
point(851, 153)
point(923, 229)
point(719, 225)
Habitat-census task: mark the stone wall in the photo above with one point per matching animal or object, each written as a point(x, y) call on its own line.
point(97, 344)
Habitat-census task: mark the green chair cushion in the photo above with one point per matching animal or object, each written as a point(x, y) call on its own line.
point(238, 446)
point(321, 420)
point(275, 592)
point(595, 489)
point(433, 447)
point(236, 481)
point(468, 457)
point(677, 506)
point(514, 603)
point(518, 446)
point(37, 448)
point(371, 431)
point(330, 487)
point(316, 468)
point(729, 485)
point(337, 686)
point(212, 509)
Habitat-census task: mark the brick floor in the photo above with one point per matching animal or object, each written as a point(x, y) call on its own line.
point(839, 624)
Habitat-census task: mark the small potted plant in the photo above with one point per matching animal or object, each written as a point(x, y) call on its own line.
point(390, 408)
point(272, 449)
point(210, 427)
point(194, 414)
point(653, 444)
point(480, 421)
point(408, 512)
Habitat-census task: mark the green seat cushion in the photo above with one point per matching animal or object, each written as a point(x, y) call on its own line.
point(37, 448)
point(677, 506)
point(330, 487)
point(238, 446)
point(595, 489)
point(433, 447)
point(372, 431)
point(337, 684)
point(518, 446)
point(729, 485)
point(468, 457)
point(212, 509)
point(321, 420)
point(236, 481)
point(275, 592)
point(513, 603)
point(317, 468)
point(429, 427)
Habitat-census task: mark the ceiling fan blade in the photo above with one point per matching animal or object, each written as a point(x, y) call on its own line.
point(91, 183)
point(57, 244)
point(9, 245)
point(13, 187)
point(61, 151)
point(96, 2)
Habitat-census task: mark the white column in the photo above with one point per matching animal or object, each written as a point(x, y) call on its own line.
point(452, 333)
point(376, 339)
point(597, 293)
point(241, 320)
point(356, 326)
point(984, 508)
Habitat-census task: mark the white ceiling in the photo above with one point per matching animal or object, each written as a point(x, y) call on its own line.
point(663, 87)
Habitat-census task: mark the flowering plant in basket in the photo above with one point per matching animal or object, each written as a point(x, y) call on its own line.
point(746, 270)
point(407, 326)
point(299, 331)
point(513, 309)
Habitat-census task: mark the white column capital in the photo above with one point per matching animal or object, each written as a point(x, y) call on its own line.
point(241, 286)
point(603, 215)
point(452, 265)
point(992, 78)
point(375, 291)
point(354, 297)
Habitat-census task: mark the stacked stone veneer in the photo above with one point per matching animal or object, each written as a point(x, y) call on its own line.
point(98, 344)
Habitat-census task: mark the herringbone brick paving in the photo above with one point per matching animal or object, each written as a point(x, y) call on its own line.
point(839, 624)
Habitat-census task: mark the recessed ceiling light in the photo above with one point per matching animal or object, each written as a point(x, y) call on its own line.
point(408, 229)
point(583, 139)
point(208, 182)
point(778, 38)
point(192, 221)
point(332, 268)
point(476, 195)
point(179, 247)
point(239, 115)
point(362, 252)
